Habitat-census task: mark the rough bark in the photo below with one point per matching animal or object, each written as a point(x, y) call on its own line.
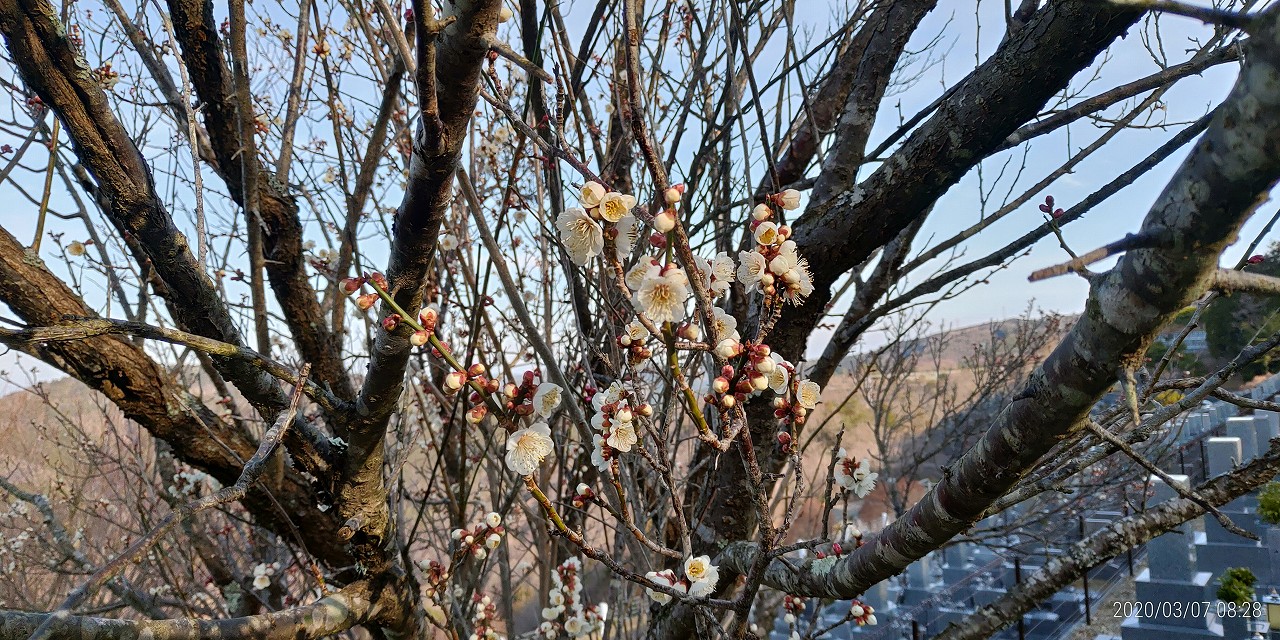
point(148, 395)
point(203, 53)
point(1227, 174)
point(356, 604)
point(448, 78)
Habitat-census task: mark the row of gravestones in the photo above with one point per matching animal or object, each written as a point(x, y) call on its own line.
point(1183, 565)
point(948, 585)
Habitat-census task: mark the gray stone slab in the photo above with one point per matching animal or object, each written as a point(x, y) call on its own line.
point(1222, 454)
point(1243, 427)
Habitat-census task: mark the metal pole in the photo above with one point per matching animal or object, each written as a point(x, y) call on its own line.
point(915, 630)
point(1017, 579)
point(1128, 552)
point(1084, 578)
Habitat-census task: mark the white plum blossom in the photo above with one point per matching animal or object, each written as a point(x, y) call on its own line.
point(527, 447)
point(717, 273)
point(780, 377)
point(665, 578)
point(637, 274)
point(702, 575)
point(766, 233)
point(751, 268)
point(853, 475)
point(546, 399)
point(493, 519)
point(726, 326)
point(626, 239)
point(789, 199)
point(808, 393)
point(592, 193)
point(581, 236)
point(662, 294)
point(622, 435)
point(613, 206)
point(597, 453)
point(448, 242)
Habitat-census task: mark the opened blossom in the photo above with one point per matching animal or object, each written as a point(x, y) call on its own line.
point(527, 447)
point(592, 193)
point(581, 236)
point(853, 475)
point(546, 399)
point(662, 295)
point(613, 206)
point(808, 393)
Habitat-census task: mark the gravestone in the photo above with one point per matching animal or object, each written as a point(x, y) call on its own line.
point(1242, 427)
point(1168, 582)
point(919, 581)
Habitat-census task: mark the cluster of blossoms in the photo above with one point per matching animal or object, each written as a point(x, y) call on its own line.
point(262, 575)
point(774, 267)
point(862, 614)
point(699, 581)
point(434, 576)
point(661, 290)
point(633, 339)
point(565, 610)
point(853, 475)
point(582, 229)
point(614, 422)
point(793, 608)
point(482, 620)
point(528, 446)
point(482, 538)
point(428, 317)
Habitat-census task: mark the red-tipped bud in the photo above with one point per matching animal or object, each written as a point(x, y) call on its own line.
point(475, 370)
point(720, 385)
point(366, 301)
point(727, 371)
point(492, 386)
point(352, 285)
point(378, 280)
point(645, 410)
point(511, 390)
point(419, 338)
point(428, 317)
point(784, 440)
point(391, 322)
point(454, 381)
point(477, 414)
point(728, 402)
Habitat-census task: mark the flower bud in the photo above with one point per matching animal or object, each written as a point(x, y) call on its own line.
point(728, 348)
point(583, 489)
point(720, 385)
point(378, 280)
point(765, 365)
point(476, 370)
point(761, 212)
point(477, 413)
point(645, 410)
point(728, 402)
point(672, 195)
point(419, 338)
point(391, 322)
point(454, 380)
point(759, 382)
point(789, 199)
point(428, 317)
point(366, 301)
point(665, 221)
point(352, 285)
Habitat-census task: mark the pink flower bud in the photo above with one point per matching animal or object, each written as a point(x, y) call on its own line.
point(720, 385)
point(352, 285)
point(391, 322)
point(475, 370)
point(454, 380)
point(366, 301)
point(378, 280)
point(419, 338)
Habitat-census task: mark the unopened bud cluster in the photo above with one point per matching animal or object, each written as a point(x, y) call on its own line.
point(482, 538)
